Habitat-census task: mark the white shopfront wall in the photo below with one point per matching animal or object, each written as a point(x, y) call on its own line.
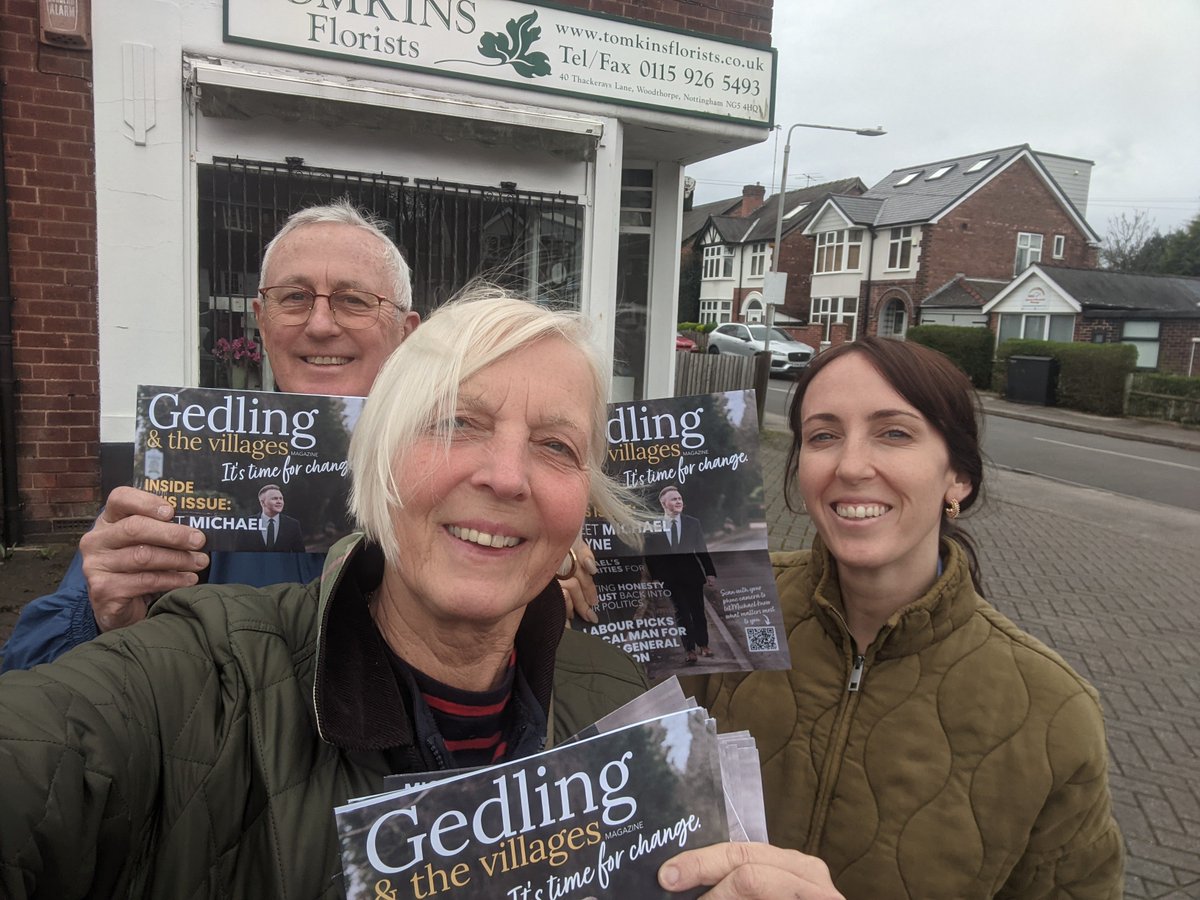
point(216, 118)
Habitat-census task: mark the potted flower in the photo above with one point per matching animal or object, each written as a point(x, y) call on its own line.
point(243, 357)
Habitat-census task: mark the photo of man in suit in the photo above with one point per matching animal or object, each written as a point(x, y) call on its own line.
point(275, 532)
point(678, 557)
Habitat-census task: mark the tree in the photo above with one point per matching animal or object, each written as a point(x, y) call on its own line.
point(1126, 240)
point(1132, 246)
point(1181, 251)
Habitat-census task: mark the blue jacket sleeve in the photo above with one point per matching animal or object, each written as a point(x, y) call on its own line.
point(51, 625)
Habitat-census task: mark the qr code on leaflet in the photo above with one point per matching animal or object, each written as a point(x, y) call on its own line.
point(762, 639)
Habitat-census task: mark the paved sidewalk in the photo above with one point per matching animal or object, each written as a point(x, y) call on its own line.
point(1146, 430)
point(1113, 584)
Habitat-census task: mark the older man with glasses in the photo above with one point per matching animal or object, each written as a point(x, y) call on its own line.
point(336, 300)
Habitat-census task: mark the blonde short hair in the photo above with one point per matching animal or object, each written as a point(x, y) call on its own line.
point(416, 391)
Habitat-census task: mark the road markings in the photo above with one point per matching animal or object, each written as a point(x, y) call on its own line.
point(1161, 462)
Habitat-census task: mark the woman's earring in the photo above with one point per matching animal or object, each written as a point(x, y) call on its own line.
point(570, 565)
point(952, 509)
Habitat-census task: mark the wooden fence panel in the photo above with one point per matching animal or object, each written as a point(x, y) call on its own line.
point(708, 373)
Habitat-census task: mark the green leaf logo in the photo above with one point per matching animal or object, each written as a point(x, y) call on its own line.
point(511, 47)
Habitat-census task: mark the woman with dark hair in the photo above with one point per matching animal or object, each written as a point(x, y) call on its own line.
point(922, 745)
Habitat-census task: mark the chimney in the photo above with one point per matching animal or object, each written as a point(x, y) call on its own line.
point(752, 199)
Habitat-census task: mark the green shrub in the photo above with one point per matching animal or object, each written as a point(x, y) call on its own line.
point(1091, 377)
point(1150, 395)
point(970, 348)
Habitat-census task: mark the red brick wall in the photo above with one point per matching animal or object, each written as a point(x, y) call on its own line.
point(748, 21)
point(50, 171)
point(1175, 346)
point(1174, 340)
point(796, 258)
point(979, 238)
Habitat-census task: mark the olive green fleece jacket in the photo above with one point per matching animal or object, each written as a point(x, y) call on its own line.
point(200, 754)
point(970, 762)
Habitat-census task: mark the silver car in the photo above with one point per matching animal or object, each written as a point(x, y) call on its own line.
point(788, 356)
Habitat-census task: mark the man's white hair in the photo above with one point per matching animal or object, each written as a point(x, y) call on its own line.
point(343, 212)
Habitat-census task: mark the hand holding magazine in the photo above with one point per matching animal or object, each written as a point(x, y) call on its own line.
point(595, 817)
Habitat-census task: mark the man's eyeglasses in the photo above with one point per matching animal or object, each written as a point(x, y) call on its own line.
point(288, 304)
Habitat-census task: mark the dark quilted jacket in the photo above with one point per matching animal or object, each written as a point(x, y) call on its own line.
point(970, 763)
point(181, 757)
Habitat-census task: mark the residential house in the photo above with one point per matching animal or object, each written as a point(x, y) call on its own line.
point(735, 252)
point(695, 219)
point(984, 217)
point(1158, 314)
point(960, 302)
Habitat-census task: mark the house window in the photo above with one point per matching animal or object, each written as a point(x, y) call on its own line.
point(900, 248)
point(942, 170)
point(827, 311)
point(716, 311)
point(1036, 327)
point(1029, 251)
point(980, 164)
point(758, 259)
point(839, 251)
point(1060, 246)
point(718, 262)
point(910, 177)
point(1144, 336)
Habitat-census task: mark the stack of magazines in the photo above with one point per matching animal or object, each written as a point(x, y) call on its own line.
point(594, 817)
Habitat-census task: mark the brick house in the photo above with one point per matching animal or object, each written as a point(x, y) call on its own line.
point(978, 218)
point(146, 167)
point(49, 345)
point(1158, 314)
point(735, 252)
point(695, 219)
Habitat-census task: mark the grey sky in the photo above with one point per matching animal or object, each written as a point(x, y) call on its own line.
point(1114, 82)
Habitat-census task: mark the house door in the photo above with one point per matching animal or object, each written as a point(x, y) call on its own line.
point(893, 322)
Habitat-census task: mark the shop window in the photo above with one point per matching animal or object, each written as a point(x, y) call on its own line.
point(448, 233)
point(1144, 336)
point(633, 283)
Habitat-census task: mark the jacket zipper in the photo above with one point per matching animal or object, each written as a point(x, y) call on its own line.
point(856, 674)
point(838, 739)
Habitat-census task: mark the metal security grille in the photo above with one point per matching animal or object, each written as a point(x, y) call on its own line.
point(448, 233)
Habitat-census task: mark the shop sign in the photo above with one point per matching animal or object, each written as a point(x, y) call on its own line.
point(532, 47)
point(1034, 300)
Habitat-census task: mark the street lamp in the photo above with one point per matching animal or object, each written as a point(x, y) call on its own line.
point(775, 252)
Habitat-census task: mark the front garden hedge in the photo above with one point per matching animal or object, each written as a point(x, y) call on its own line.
point(1091, 377)
point(970, 348)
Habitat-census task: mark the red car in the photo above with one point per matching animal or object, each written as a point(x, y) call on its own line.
point(682, 342)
